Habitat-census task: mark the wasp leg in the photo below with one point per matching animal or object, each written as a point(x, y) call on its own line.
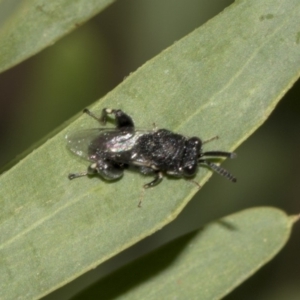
point(107, 169)
point(89, 171)
point(77, 175)
point(122, 119)
point(88, 112)
point(158, 178)
point(146, 170)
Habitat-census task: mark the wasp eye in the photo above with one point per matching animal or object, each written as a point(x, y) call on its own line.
point(195, 143)
point(190, 170)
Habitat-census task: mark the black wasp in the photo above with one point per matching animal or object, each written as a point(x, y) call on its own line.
point(157, 151)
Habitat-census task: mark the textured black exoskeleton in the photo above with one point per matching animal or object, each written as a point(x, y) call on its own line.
point(157, 151)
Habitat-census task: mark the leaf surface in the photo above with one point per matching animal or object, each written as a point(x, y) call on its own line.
point(223, 79)
point(204, 264)
point(32, 25)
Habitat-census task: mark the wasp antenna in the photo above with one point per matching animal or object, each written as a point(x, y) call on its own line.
point(219, 153)
point(233, 155)
point(219, 170)
point(211, 139)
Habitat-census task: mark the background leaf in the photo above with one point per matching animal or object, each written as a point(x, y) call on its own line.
point(37, 24)
point(196, 84)
point(204, 264)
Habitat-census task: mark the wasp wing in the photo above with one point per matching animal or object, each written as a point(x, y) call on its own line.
point(90, 142)
point(80, 141)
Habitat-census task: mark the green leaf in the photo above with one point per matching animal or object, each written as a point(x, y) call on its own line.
point(223, 79)
point(35, 24)
point(204, 264)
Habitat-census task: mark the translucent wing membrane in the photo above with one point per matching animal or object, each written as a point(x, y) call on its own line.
point(80, 141)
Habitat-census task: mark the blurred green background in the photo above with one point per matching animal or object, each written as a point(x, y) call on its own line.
point(51, 87)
